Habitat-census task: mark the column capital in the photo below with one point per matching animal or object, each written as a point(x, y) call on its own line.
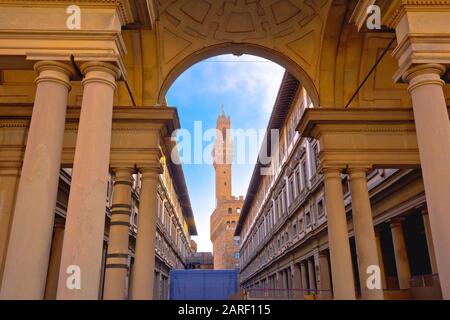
point(396, 222)
point(54, 71)
point(123, 173)
point(358, 172)
point(59, 224)
point(151, 173)
point(423, 74)
point(332, 172)
point(97, 71)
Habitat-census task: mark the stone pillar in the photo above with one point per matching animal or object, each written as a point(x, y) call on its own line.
point(433, 137)
point(85, 224)
point(55, 261)
point(297, 281)
point(325, 280)
point(401, 256)
point(38, 187)
point(429, 235)
point(9, 181)
point(311, 275)
point(341, 260)
point(380, 258)
point(144, 264)
point(116, 272)
point(304, 272)
point(366, 246)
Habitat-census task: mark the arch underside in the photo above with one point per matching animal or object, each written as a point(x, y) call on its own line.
point(288, 32)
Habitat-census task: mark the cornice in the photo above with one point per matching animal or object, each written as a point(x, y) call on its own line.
point(123, 6)
point(400, 7)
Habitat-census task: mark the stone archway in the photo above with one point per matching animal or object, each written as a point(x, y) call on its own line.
point(288, 32)
point(239, 49)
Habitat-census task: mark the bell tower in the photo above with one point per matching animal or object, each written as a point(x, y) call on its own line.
point(223, 157)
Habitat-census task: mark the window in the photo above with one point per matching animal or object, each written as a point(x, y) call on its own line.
point(297, 179)
point(230, 210)
point(228, 225)
point(238, 210)
point(345, 186)
point(304, 174)
point(320, 208)
point(291, 190)
point(308, 219)
point(316, 157)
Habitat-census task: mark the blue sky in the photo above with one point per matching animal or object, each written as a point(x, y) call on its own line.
point(247, 87)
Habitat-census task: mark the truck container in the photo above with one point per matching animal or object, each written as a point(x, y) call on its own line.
point(203, 284)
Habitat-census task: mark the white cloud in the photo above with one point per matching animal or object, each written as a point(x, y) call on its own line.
point(258, 78)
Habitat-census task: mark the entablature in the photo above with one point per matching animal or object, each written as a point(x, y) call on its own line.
point(384, 138)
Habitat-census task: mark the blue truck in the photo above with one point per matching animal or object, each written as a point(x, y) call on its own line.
point(203, 284)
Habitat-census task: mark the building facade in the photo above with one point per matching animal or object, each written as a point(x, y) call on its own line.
point(285, 250)
point(226, 214)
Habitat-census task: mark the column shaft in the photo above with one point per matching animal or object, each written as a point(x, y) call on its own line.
point(55, 261)
point(401, 256)
point(144, 267)
point(297, 281)
point(429, 235)
point(38, 187)
point(116, 273)
point(366, 246)
point(311, 275)
point(433, 137)
point(304, 272)
point(9, 181)
point(341, 260)
point(380, 258)
point(83, 240)
point(325, 280)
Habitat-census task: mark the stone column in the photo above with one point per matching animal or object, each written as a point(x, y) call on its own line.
point(297, 281)
point(325, 280)
point(366, 246)
point(38, 187)
point(433, 137)
point(55, 261)
point(380, 258)
point(9, 181)
point(144, 265)
point(429, 235)
point(304, 272)
point(311, 275)
point(85, 224)
point(341, 260)
point(401, 256)
point(116, 272)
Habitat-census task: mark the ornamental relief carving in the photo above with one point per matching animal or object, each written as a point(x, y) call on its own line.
point(291, 27)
